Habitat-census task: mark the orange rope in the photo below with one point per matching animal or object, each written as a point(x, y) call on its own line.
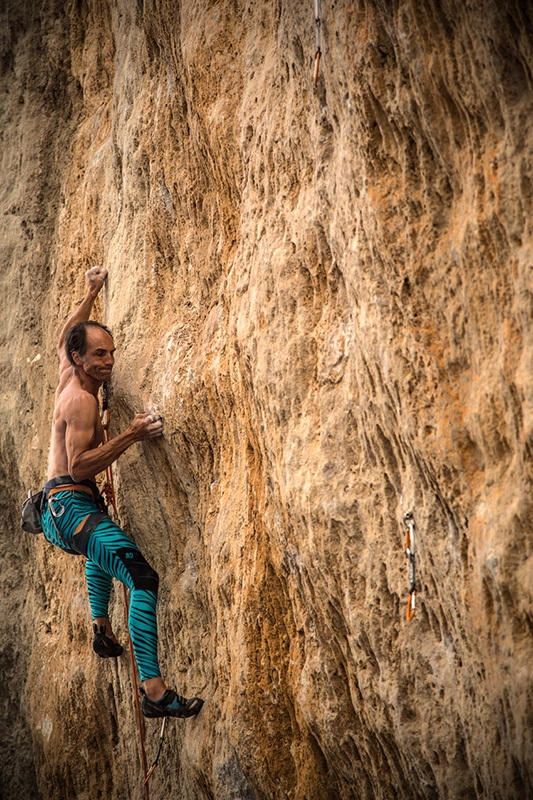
point(109, 494)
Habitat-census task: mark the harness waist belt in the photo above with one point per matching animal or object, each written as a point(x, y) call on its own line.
point(66, 480)
point(64, 483)
point(67, 487)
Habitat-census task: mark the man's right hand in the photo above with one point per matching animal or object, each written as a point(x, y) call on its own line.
point(145, 427)
point(95, 278)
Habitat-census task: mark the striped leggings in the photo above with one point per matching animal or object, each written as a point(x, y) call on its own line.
point(110, 554)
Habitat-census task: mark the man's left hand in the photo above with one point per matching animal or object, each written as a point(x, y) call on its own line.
point(95, 277)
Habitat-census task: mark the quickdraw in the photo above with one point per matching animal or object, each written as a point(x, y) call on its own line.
point(409, 523)
point(156, 760)
point(318, 53)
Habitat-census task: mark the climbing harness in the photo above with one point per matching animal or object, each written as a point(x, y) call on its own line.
point(409, 523)
point(64, 483)
point(318, 53)
point(110, 496)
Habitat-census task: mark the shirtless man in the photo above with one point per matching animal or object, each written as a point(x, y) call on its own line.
point(74, 517)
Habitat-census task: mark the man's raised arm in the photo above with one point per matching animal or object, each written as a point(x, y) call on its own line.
point(94, 279)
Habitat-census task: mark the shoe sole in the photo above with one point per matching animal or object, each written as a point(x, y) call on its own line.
point(110, 655)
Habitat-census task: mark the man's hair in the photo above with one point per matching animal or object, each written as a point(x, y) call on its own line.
point(76, 338)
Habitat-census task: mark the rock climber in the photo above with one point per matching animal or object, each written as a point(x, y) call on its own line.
point(73, 516)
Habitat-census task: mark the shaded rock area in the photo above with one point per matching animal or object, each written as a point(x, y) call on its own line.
point(327, 291)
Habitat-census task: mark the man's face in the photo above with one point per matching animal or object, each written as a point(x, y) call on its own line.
point(98, 359)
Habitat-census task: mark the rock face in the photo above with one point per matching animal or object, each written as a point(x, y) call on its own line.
point(327, 290)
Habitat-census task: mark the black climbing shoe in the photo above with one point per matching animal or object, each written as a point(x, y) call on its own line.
point(170, 705)
point(103, 645)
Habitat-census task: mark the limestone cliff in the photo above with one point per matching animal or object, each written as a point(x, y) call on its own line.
point(327, 290)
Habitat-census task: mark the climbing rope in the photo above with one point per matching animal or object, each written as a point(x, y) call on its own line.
point(109, 493)
point(409, 523)
point(318, 53)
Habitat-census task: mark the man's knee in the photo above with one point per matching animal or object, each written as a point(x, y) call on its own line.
point(142, 574)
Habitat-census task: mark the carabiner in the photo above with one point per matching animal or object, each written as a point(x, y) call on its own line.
point(53, 512)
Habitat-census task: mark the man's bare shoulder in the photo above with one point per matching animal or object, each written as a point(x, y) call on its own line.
point(75, 402)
